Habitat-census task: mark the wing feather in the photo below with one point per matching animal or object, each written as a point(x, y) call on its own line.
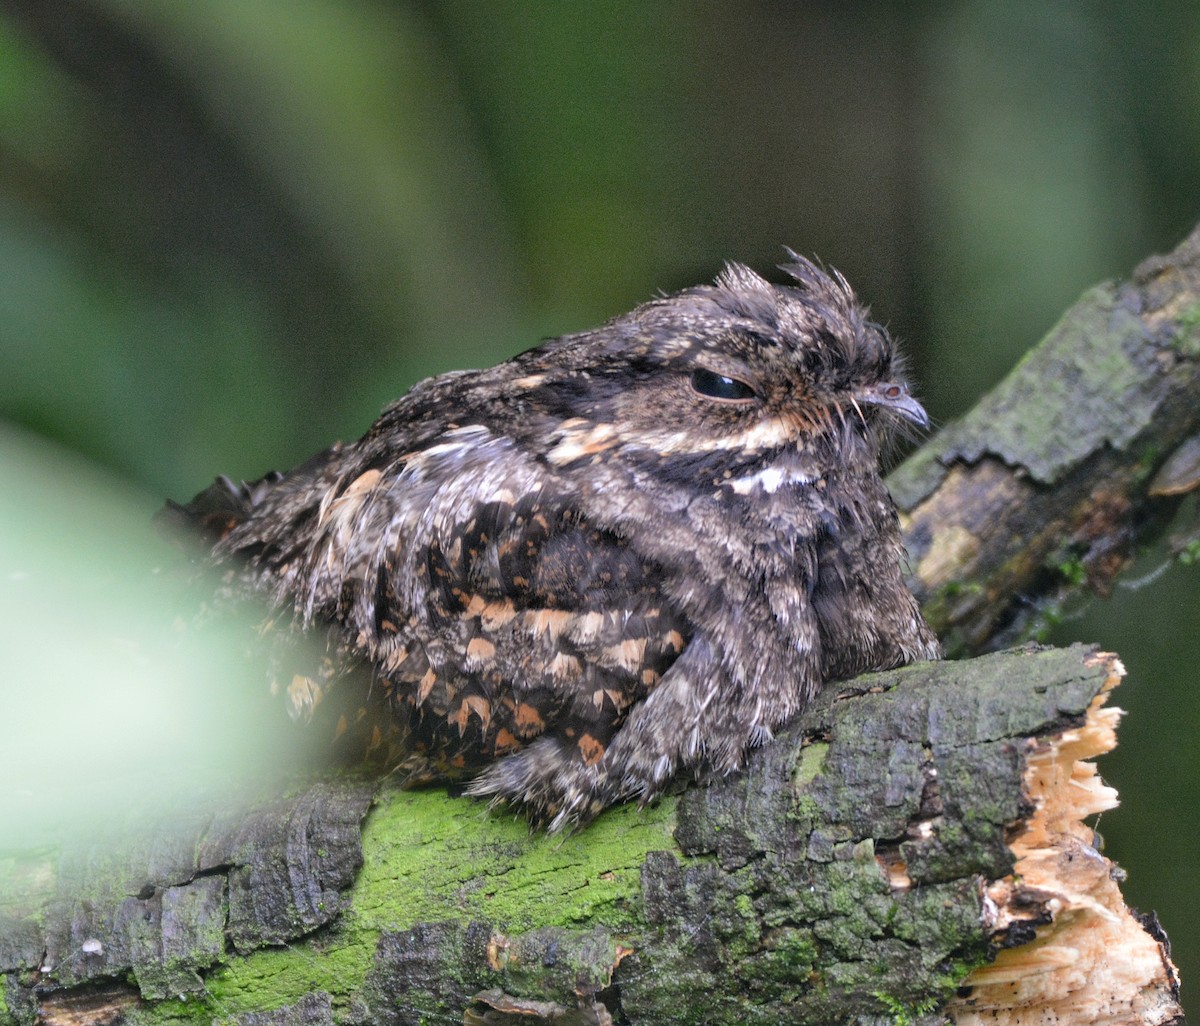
point(492, 610)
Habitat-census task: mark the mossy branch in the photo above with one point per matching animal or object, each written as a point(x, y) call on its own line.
point(911, 850)
point(889, 844)
point(1081, 455)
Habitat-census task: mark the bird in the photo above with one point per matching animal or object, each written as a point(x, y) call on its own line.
point(624, 556)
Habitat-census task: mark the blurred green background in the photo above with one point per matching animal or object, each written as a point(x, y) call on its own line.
point(231, 231)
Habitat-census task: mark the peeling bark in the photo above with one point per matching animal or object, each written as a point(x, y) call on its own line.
point(871, 863)
point(1079, 456)
point(1090, 959)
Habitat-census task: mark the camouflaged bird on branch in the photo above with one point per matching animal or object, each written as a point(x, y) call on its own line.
point(622, 554)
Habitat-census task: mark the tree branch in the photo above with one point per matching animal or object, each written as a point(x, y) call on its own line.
point(1079, 456)
point(911, 850)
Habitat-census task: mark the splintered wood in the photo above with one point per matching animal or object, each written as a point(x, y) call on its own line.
point(1077, 954)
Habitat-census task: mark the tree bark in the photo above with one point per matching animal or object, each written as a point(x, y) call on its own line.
point(1079, 456)
point(910, 850)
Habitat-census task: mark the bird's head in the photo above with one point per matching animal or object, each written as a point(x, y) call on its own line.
point(724, 377)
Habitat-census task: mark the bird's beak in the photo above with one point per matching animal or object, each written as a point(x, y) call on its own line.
point(893, 395)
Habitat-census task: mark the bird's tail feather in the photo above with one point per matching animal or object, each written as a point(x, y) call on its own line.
point(218, 509)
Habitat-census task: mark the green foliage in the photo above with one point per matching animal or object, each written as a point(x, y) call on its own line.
point(1189, 555)
point(1072, 570)
point(903, 1014)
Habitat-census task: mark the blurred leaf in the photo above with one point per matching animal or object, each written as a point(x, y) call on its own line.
point(110, 708)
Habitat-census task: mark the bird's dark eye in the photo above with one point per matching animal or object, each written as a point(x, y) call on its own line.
point(718, 386)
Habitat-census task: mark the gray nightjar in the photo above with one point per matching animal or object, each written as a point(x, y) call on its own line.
point(623, 554)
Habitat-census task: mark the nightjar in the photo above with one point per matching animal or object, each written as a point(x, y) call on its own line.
point(622, 554)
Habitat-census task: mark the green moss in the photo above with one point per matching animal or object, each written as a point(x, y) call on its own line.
point(907, 1011)
point(484, 867)
point(903, 1013)
point(1187, 341)
point(274, 977)
point(490, 867)
point(1072, 570)
point(959, 969)
point(811, 762)
point(790, 956)
point(742, 930)
point(195, 1012)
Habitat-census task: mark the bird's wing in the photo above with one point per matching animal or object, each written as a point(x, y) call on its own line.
point(536, 623)
point(491, 609)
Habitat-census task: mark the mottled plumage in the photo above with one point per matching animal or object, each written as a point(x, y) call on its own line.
point(624, 553)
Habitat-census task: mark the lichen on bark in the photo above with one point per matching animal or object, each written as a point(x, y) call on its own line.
point(842, 876)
